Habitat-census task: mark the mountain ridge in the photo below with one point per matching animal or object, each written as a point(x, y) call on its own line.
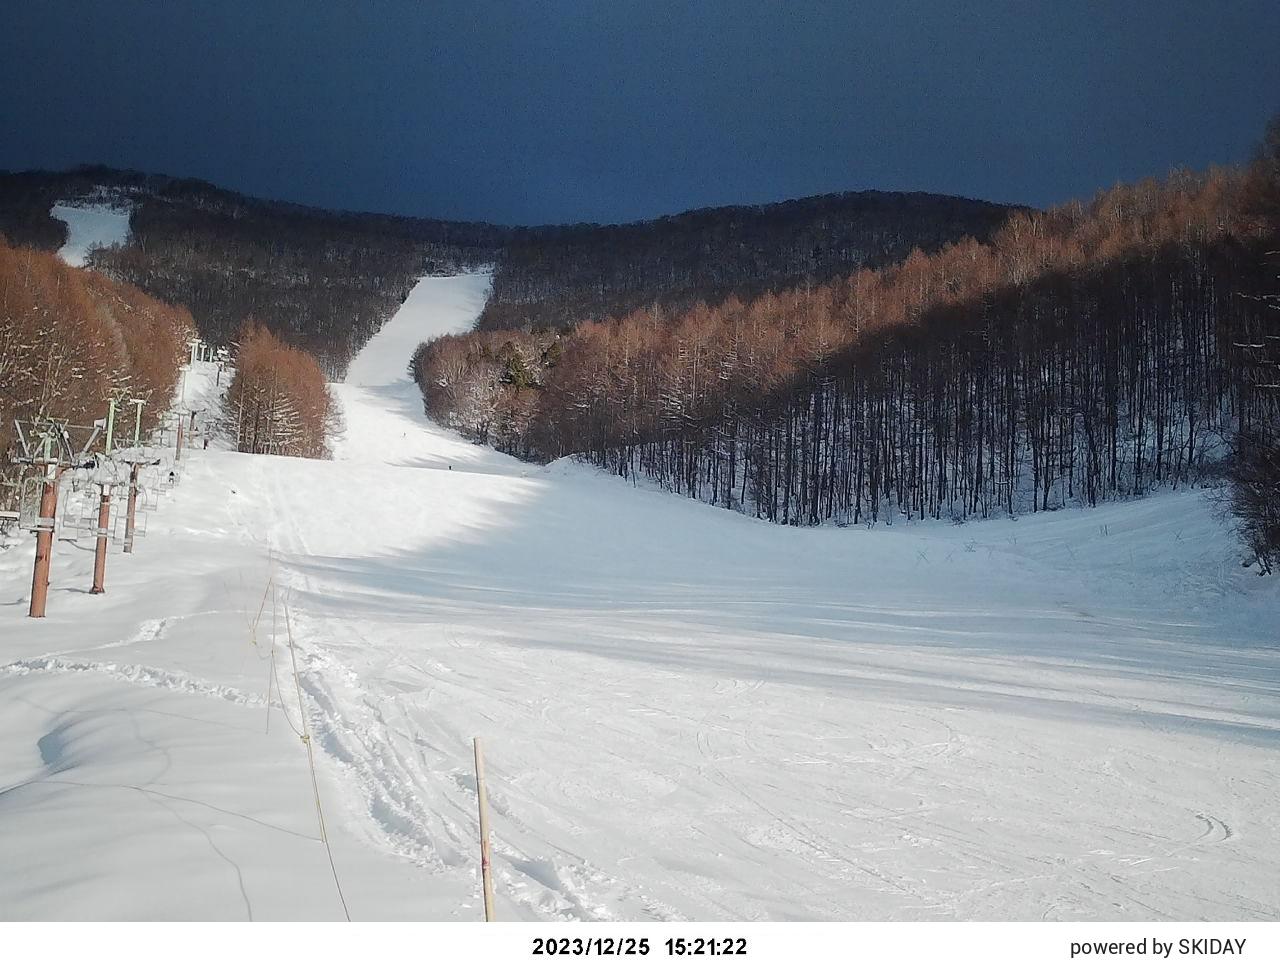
point(128, 176)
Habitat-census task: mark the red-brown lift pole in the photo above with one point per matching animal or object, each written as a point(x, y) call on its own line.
point(44, 542)
point(132, 515)
point(100, 554)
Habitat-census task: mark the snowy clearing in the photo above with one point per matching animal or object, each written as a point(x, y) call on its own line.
point(687, 713)
point(89, 226)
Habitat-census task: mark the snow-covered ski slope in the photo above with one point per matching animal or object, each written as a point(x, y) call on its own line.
point(88, 226)
point(686, 713)
point(382, 407)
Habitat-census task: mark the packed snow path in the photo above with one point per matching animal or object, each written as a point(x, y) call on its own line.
point(687, 713)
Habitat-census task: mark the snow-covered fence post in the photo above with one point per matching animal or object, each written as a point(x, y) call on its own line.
point(482, 795)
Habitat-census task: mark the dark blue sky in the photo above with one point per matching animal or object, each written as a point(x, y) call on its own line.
point(526, 111)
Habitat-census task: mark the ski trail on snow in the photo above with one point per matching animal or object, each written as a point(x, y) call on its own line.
point(133, 673)
point(422, 808)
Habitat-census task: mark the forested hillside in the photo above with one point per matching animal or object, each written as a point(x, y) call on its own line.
point(852, 357)
point(319, 280)
point(69, 338)
point(278, 401)
point(326, 281)
point(1088, 352)
point(556, 277)
point(25, 200)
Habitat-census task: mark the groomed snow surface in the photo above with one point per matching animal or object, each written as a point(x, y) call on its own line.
point(687, 713)
point(90, 225)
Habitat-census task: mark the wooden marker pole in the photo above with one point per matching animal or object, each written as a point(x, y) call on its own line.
point(100, 554)
point(178, 452)
point(44, 544)
point(132, 515)
point(486, 873)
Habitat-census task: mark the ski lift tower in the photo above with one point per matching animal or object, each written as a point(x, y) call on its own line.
point(131, 517)
point(138, 403)
point(196, 345)
point(181, 413)
point(45, 445)
point(119, 396)
point(222, 357)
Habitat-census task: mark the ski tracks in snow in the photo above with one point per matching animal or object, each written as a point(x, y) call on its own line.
point(418, 791)
point(149, 631)
point(133, 673)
